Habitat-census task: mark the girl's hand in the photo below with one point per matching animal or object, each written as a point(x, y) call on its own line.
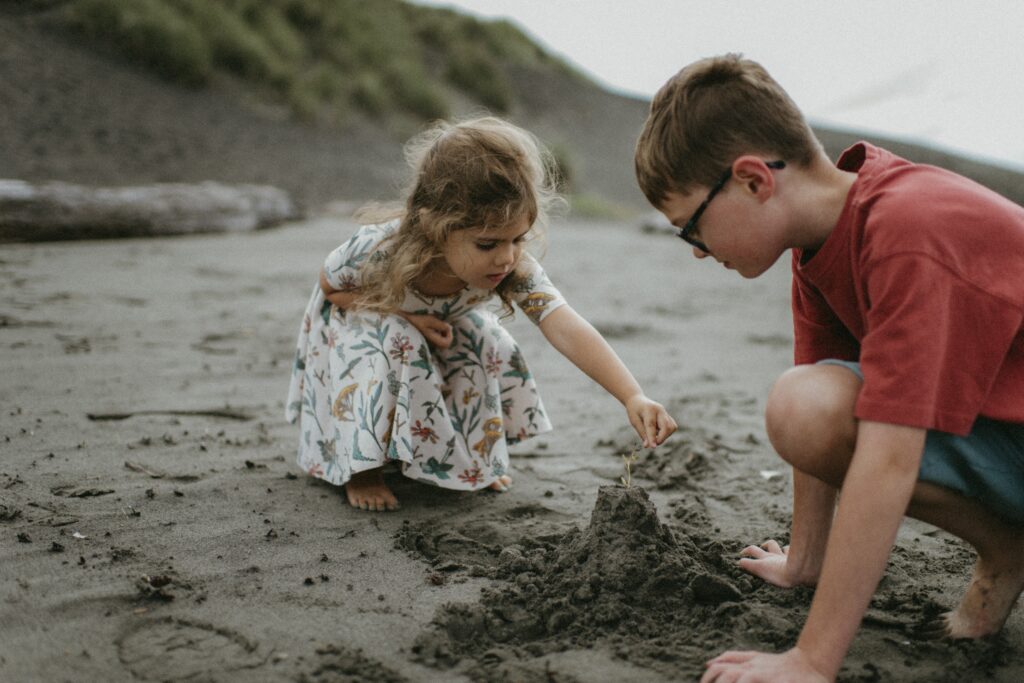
point(436, 331)
point(649, 418)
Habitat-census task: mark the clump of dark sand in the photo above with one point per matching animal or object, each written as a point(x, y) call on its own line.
point(339, 664)
point(660, 598)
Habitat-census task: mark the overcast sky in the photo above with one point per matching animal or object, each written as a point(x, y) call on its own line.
point(942, 72)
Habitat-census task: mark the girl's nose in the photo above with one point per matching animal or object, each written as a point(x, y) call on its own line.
point(506, 255)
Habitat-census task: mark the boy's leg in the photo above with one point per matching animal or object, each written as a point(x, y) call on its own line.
point(818, 444)
point(809, 419)
point(810, 423)
point(998, 575)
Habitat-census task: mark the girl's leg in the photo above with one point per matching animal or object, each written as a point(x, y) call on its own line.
point(369, 423)
point(485, 398)
point(367, 491)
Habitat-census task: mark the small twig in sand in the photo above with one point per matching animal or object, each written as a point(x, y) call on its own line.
point(628, 461)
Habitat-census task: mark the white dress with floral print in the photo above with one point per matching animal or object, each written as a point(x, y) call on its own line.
point(367, 388)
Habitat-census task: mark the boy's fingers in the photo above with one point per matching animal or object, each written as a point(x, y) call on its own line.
point(733, 657)
point(753, 551)
point(772, 546)
point(758, 569)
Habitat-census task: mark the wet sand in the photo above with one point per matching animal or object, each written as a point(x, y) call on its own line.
point(153, 525)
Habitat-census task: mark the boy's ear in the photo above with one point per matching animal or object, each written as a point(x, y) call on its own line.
point(755, 176)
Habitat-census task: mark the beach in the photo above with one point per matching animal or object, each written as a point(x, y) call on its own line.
point(154, 525)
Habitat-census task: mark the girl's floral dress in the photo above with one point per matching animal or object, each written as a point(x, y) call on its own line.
point(367, 388)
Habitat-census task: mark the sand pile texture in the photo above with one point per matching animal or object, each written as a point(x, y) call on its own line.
point(655, 595)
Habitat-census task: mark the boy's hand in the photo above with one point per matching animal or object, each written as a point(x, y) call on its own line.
point(772, 564)
point(436, 331)
point(651, 421)
point(792, 666)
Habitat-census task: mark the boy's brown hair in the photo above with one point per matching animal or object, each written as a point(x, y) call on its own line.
point(710, 113)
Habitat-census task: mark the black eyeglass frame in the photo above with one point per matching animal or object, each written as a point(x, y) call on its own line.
point(686, 232)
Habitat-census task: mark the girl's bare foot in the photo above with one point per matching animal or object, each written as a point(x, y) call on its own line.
point(995, 587)
point(501, 484)
point(367, 491)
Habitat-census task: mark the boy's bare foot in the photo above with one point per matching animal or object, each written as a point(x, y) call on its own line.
point(996, 583)
point(367, 491)
point(994, 589)
point(502, 483)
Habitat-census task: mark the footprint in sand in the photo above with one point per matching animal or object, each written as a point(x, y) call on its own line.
point(173, 649)
point(478, 541)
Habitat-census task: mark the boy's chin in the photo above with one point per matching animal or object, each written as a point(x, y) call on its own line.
point(754, 270)
point(750, 273)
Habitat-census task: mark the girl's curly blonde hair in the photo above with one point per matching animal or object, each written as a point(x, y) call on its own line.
point(480, 173)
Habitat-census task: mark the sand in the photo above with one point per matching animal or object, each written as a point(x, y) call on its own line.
point(153, 525)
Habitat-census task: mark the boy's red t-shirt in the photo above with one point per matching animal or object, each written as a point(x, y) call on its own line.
point(922, 281)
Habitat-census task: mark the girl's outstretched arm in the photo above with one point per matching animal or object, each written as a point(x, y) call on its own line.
point(578, 341)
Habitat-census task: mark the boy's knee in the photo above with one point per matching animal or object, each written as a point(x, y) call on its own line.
point(810, 411)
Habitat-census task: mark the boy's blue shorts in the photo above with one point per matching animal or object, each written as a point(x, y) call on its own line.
point(986, 465)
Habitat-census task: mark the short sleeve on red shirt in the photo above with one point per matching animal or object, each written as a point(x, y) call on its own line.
point(934, 345)
point(922, 281)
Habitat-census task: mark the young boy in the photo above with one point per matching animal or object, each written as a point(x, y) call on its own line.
point(908, 302)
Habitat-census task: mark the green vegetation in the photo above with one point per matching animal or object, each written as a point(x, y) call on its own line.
point(597, 207)
point(325, 58)
point(148, 31)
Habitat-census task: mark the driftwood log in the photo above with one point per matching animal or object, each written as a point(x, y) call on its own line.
point(37, 212)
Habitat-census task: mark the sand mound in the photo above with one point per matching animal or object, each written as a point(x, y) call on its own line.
point(660, 597)
point(626, 579)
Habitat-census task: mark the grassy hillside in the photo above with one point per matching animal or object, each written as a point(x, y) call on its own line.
point(324, 58)
point(314, 96)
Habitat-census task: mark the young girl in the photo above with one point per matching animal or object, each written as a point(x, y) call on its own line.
point(399, 357)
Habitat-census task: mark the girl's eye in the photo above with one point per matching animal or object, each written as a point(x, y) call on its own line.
point(485, 246)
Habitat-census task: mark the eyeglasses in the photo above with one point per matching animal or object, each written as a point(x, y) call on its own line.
point(686, 232)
